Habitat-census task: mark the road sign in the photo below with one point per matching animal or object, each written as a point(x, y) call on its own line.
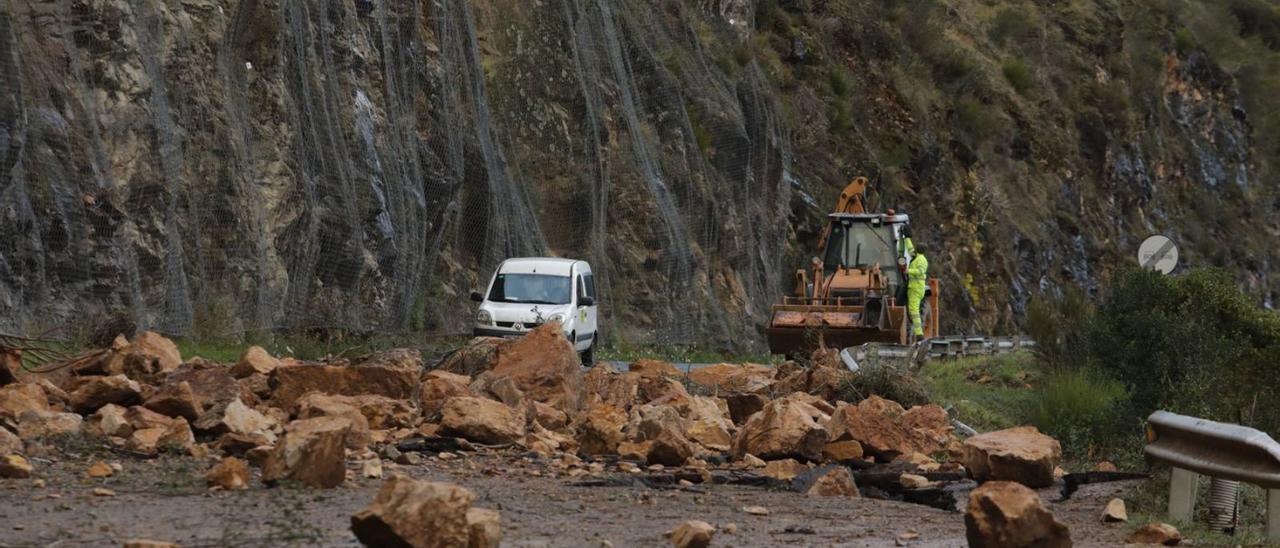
point(1158, 253)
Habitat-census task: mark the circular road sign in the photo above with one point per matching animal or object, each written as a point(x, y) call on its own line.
point(1158, 253)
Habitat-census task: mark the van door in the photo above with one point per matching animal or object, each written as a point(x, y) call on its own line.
point(586, 314)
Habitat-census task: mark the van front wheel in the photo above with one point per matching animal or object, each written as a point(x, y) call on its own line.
point(589, 355)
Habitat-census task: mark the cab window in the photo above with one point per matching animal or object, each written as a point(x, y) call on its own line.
point(590, 281)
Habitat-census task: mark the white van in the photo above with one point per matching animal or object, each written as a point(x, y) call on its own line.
point(524, 293)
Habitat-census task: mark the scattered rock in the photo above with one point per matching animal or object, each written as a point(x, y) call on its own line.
point(158, 351)
point(784, 428)
point(599, 430)
point(1155, 533)
point(742, 406)
point(1020, 454)
point(310, 452)
point(99, 470)
point(840, 451)
point(9, 442)
point(16, 399)
point(15, 467)
point(756, 510)
point(1105, 466)
point(238, 418)
point(549, 417)
point(481, 420)
point(829, 481)
point(1115, 511)
point(145, 543)
point(691, 534)
point(230, 474)
point(174, 435)
point(43, 424)
point(751, 461)
point(408, 512)
point(439, 387)
point(176, 400)
point(324, 405)
point(484, 528)
point(103, 492)
point(1004, 513)
point(914, 481)
point(729, 528)
point(254, 360)
point(372, 468)
point(784, 469)
point(235, 444)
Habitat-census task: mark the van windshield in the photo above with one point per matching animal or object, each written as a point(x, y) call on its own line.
point(531, 288)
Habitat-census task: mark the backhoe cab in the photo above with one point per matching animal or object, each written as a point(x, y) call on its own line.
point(854, 290)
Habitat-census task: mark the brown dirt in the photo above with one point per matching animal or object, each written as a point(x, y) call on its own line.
point(165, 499)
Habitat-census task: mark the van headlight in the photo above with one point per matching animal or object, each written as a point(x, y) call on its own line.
point(483, 317)
point(558, 317)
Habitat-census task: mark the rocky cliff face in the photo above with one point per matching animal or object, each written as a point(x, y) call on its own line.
point(212, 166)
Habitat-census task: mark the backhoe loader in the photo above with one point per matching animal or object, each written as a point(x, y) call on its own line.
point(854, 291)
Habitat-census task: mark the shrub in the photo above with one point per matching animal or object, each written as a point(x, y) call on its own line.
point(1012, 23)
point(1078, 407)
point(1018, 75)
point(975, 120)
point(951, 64)
point(1184, 41)
point(884, 381)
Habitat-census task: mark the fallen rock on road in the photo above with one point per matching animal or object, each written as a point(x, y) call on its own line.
point(408, 512)
point(1003, 514)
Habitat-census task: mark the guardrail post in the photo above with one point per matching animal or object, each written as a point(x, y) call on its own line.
point(1182, 496)
point(1273, 515)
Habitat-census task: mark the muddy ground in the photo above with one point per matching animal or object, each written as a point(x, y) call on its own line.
point(166, 499)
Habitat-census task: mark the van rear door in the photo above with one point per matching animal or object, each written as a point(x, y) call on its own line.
point(587, 315)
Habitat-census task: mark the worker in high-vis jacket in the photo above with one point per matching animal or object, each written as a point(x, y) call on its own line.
point(917, 277)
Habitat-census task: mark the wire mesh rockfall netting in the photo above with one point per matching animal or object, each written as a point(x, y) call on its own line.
point(213, 167)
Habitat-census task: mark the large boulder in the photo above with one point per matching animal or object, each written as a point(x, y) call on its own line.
point(654, 368)
point(599, 430)
point(878, 425)
point(742, 406)
point(1020, 454)
point(310, 452)
point(1155, 534)
point(786, 427)
point(706, 422)
point(1002, 513)
point(481, 420)
point(931, 423)
point(16, 399)
point(15, 467)
point(291, 382)
point(544, 365)
point(408, 512)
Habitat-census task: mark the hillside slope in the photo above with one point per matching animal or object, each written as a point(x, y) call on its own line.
point(213, 166)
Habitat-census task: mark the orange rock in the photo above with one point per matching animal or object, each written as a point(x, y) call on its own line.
point(832, 481)
point(408, 512)
point(16, 399)
point(99, 470)
point(654, 368)
point(784, 469)
point(1019, 454)
point(230, 474)
point(1003, 513)
point(254, 360)
point(481, 420)
point(840, 451)
point(94, 392)
point(176, 400)
point(293, 382)
point(733, 378)
point(785, 428)
point(544, 365)
point(310, 452)
point(599, 430)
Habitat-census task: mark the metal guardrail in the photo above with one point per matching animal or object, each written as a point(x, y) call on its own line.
point(1194, 447)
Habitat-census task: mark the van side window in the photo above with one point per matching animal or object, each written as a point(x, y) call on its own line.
point(582, 291)
point(590, 280)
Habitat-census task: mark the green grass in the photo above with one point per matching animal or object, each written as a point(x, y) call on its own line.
point(999, 401)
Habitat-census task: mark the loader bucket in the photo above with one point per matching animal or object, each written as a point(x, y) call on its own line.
point(798, 329)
